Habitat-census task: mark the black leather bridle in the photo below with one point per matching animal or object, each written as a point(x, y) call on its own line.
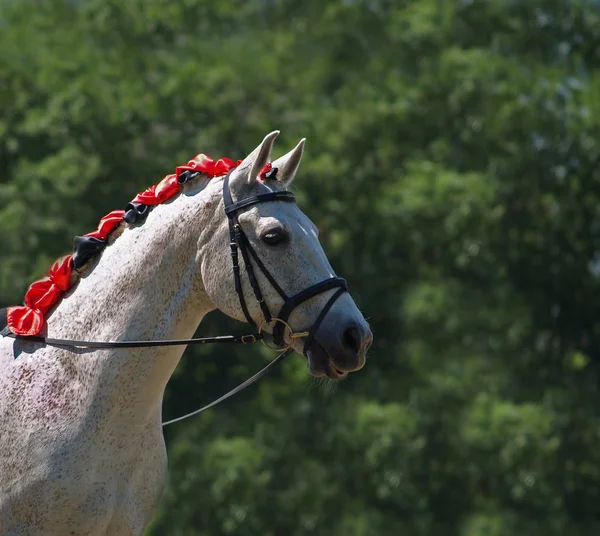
point(238, 243)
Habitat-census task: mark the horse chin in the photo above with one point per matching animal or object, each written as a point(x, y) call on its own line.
point(320, 363)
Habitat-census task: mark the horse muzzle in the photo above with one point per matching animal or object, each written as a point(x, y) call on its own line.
point(335, 352)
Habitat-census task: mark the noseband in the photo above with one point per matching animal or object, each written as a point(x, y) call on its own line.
point(239, 243)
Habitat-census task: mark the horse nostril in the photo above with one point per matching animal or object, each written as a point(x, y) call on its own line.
point(351, 339)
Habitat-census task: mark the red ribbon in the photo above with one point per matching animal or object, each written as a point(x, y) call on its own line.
point(263, 172)
point(159, 193)
point(41, 296)
point(24, 321)
point(107, 224)
point(205, 164)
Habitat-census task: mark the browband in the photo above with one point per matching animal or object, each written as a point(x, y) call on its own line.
point(260, 198)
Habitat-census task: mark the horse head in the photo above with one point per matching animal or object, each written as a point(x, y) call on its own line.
point(291, 287)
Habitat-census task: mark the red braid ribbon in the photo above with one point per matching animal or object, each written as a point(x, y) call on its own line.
point(263, 172)
point(40, 297)
point(205, 164)
point(107, 225)
point(159, 193)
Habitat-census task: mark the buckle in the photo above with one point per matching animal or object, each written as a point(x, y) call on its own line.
point(248, 339)
point(293, 336)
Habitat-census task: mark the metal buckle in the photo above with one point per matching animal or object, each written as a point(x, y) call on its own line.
point(293, 336)
point(248, 339)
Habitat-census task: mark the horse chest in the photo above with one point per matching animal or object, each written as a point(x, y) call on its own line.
point(82, 489)
point(67, 467)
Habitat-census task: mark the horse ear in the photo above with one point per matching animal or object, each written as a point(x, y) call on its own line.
point(247, 172)
point(287, 165)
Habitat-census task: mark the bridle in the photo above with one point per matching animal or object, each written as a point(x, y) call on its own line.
point(239, 243)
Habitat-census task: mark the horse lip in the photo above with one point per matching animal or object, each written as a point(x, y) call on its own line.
point(334, 373)
point(320, 363)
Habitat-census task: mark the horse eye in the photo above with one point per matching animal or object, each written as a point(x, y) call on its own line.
point(274, 237)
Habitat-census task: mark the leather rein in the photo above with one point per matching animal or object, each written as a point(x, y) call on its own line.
point(239, 243)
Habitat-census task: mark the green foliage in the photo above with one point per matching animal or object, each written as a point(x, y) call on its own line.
point(452, 167)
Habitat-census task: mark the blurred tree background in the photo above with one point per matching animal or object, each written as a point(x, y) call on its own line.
point(452, 166)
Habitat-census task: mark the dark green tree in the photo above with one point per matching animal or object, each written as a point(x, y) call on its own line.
point(452, 167)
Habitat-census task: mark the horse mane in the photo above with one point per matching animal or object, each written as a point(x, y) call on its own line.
point(45, 293)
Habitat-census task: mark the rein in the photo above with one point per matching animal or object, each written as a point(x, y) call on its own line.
point(239, 243)
point(223, 339)
point(243, 339)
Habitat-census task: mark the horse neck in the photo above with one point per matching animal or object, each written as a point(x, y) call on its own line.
point(146, 285)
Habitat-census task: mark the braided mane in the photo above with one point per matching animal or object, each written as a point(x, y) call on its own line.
point(45, 293)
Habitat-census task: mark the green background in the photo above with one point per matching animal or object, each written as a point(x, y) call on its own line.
point(452, 166)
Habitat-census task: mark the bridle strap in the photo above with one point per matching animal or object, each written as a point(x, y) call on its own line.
point(240, 243)
point(256, 199)
point(264, 270)
point(302, 296)
point(313, 330)
point(234, 245)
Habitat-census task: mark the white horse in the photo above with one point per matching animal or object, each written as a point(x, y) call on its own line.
point(82, 448)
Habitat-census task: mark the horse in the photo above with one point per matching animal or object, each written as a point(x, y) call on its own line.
point(82, 448)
